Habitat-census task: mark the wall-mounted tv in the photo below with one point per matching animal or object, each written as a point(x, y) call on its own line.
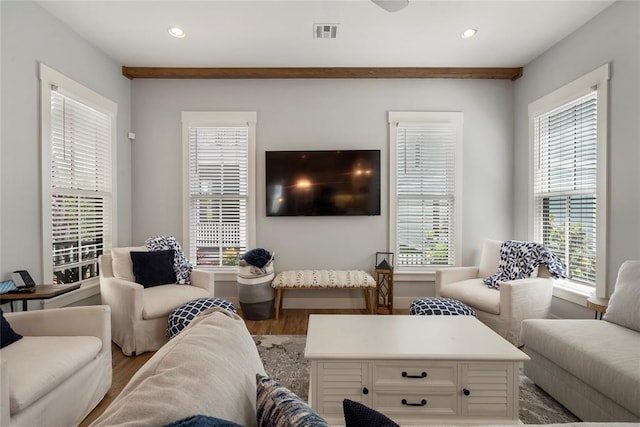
point(323, 183)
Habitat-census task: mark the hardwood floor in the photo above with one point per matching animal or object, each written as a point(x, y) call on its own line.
point(291, 322)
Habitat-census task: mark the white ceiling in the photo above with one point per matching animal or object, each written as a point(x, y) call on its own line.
point(265, 33)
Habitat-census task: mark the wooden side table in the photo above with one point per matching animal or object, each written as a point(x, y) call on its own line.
point(599, 305)
point(40, 292)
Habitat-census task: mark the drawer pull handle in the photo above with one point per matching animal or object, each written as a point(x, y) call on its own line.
point(365, 390)
point(422, 403)
point(422, 375)
point(466, 392)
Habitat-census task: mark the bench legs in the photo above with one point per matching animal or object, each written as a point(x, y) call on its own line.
point(366, 292)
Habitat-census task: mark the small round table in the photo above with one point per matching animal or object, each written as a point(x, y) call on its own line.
point(599, 305)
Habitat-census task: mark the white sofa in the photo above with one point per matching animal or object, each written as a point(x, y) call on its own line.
point(592, 366)
point(502, 310)
point(208, 369)
point(61, 368)
point(139, 315)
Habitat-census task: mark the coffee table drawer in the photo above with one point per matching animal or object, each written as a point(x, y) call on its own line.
point(415, 373)
point(416, 403)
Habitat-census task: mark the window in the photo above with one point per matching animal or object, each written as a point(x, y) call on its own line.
point(425, 188)
point(77, 180)
point(219, 213)
point(568, 131)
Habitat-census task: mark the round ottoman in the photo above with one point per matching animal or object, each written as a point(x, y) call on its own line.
point(438, 306)
point(183, 315)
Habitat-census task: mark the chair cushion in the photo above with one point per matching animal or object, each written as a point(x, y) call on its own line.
point(37, 365)
point(489, 258)
point(601, 354)
point(159, 301)
point(625, 300)
point(474, 293)
point(183, 315)
point(121, 264)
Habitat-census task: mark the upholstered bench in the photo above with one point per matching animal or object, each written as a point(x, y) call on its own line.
point(437, 306)
point(324, 279)
point(183, 315)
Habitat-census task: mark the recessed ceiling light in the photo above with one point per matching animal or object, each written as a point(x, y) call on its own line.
point(176, 32)
point(470, 32)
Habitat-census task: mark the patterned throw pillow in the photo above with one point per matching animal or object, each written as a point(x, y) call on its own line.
point(181, 265)
point(438, 306)
point(358, 415)
point(277, 406)
point(183, 315)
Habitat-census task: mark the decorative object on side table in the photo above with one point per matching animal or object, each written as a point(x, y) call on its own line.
point(384, 282)
point(597, 304)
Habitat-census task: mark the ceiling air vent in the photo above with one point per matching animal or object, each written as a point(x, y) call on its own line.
point(325, 31)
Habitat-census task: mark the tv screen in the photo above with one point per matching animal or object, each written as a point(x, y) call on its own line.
point(323, 183)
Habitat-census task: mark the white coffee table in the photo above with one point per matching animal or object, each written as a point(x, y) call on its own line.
point(413, 369)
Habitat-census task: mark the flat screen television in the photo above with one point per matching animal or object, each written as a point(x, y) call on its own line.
point(323, 183)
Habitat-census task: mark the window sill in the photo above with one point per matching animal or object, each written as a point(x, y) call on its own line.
point(414, 275)
point(572, 291)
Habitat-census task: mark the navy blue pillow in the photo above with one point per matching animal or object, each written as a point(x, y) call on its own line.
point(202, 421)
point(153, 268)
point(358, 415)
point(7, 334)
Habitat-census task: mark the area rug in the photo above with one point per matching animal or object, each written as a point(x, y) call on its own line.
point(283, 359)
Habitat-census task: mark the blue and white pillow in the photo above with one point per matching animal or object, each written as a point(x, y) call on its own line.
point(183, 315)
point(181, 265)
point(438, 306)
point(277, 406)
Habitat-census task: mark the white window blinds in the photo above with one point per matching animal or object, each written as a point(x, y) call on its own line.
point(80, 186)
point(218, 194)
point(425, 193)
point(565, 184)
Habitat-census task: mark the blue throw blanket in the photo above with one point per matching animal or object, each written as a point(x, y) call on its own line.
point(519, 259)
point(257, 257)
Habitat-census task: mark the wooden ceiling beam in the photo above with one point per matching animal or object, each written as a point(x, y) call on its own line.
point(321, 73)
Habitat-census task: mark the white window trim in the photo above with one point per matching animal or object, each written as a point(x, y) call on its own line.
point(598, 79)
point(456, 118)
point(220, 118)
point(48, 77)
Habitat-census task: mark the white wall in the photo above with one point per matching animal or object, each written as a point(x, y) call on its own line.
point(324, 114)
point(30, 35)
point(611, 37)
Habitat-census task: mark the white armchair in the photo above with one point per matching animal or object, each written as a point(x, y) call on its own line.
point(139, 315)
point(502, 310)
point(60, 370)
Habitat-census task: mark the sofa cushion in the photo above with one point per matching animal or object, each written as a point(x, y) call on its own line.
point(7, 334)
point(121, 262)
point(474, 293)
point(625, 300)
point(153, 268)
point(38, 364)
point(159, 301)
point(219, 379)
point(601, 354)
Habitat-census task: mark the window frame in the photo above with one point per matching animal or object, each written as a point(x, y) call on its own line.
point(457, 119)
point(48, 78)
point(595, 80)
point(219, 118)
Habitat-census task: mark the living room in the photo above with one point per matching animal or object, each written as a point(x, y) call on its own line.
point(314, 114)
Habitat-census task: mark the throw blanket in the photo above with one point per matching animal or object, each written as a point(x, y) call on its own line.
point(257, 257)
point(519, 259)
